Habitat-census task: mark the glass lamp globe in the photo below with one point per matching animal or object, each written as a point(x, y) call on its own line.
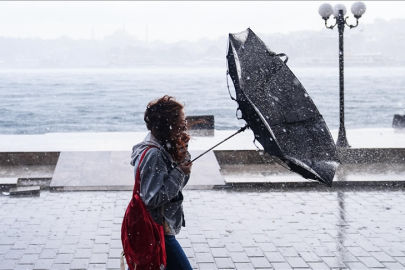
point(325, 10)
point(336, 9)
point(358, 9)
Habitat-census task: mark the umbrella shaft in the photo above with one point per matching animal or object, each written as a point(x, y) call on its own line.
point(239, 131)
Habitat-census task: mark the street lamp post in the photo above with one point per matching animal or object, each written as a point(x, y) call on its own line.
point(339, 11)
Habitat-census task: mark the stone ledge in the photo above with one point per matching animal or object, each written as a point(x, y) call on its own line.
point(25, 191)
point(8, 182)
point(28, 158)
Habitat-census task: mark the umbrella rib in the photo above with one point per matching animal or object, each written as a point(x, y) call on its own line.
point(264, 121)
point(296, 122)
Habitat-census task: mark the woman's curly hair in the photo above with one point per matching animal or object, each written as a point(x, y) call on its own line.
point(162, 119)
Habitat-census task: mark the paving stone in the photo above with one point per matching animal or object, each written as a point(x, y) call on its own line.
point(244, 266)
point(85, 244)
point(104, 231)
point(116, 244)
point(233, 247)
point(4, 248)
point(53, 244)
point(71, 239)
point(323, 252)
point(99, 266)
point(382, 257)
point(48, 254)
point(74, 231)
point(8, 264)
point(215, 243)
point(207, 266)
point(116, 253)
point(254, 252)
point(28, 259)
point(102, 239)
point(33, 249)
point(79, 264)
point(267, 247)
point(61, 266)
point(195, 230)
point(296, 262)
point(193, 263)
point(318, 265)
point(400, 260)
point(224, 263)
point(23, 267)
point(333, 262)
point(196, 238)
point(356, 265)
point(370, 262)
point(101, 248)
point(394, 252)
point(14, 254)
point(98, 258)
point(220, 253)
point(204, 257)
point(21, 244)
point(113, 263)
point(201, 248)
point(212, 234)
point(346, 256)
point(67, 249)
point(288, 251)
point(393, 265)
point(280, 242)
point(247, 242)
point(239, 257)
point(309, 256)
point(63, 258)
point(8, 240)
point(43, 264)
point(260, 262)
point(274, 257)
point(281, 266)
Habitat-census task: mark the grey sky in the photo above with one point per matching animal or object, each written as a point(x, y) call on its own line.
point(172, 21)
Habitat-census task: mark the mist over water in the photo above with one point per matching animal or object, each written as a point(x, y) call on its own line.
point(114, 100)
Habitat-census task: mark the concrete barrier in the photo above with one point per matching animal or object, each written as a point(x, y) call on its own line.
point(346, 156)
point(28, 158)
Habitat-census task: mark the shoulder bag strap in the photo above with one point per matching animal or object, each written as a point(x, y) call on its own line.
point(137, 186)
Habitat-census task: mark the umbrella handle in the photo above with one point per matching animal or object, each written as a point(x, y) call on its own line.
point(239, 131)
point(281, 55)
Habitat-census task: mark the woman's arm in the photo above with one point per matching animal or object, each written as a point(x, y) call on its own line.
point(187, 177)
point(158, 186)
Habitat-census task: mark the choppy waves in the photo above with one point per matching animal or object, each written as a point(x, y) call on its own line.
point(42, 101)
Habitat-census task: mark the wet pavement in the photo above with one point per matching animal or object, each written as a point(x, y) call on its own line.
point(226, 229)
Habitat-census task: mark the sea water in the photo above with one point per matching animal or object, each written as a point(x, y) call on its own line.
point(108, 100)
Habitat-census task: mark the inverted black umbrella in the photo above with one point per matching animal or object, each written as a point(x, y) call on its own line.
point(278, 109)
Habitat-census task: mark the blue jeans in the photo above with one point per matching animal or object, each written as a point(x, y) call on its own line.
point(176, 258)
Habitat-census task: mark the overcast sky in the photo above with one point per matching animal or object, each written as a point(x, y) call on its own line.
point(172, 21)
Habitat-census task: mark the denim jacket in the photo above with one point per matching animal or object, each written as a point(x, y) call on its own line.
point(162, 183)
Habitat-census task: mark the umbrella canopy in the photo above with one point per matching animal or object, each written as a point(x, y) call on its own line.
point(278, 109)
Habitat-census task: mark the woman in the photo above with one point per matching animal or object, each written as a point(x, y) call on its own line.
point(165, 170)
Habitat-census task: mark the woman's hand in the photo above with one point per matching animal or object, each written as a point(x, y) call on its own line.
point(186, 167)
